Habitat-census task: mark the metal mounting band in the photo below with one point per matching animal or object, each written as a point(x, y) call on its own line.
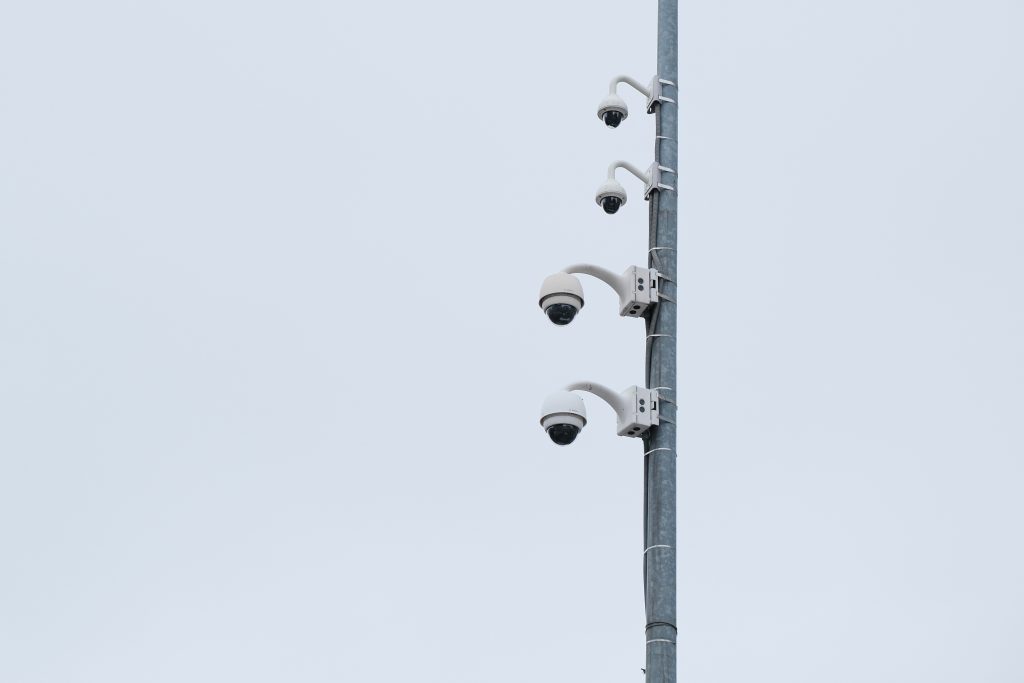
point(656, 546)
point(651, 624)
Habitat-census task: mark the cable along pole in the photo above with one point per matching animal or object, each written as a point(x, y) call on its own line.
point(660, 446)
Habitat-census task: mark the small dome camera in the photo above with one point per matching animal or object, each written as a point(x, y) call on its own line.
point(562, 416)
point(611, 196)
point(561, 297)
point(612, 110)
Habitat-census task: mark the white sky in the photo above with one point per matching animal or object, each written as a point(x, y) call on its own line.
point(271, 360)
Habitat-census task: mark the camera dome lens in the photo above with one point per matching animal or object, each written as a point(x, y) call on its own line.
point(612, 119)
point(611, 204)
point(561, 314)
point(563, 435)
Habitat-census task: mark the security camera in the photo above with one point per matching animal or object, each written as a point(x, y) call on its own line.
point(612, 110)
point(562, 416)
point(561, 297)
point(611, 195)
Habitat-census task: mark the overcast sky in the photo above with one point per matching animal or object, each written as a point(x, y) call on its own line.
point(271, 360)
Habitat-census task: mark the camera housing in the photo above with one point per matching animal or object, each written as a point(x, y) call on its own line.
point(563, 415)
point(639, 411)
point(611, 196)
point(639, 291)
point(561, 297)
point(612, 110)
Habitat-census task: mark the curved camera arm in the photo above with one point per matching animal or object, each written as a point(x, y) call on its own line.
point(609, 396)
point(636, 408)
point(628, 81)
point(645, 178)
point(617, 282)
point(651, 179)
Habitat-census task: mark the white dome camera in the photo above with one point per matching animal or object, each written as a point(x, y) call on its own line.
point(611, 195)
point(612, 110)
point(561, 297)
point(562, 416)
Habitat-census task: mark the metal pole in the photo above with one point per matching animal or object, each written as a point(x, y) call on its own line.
point(660, 446)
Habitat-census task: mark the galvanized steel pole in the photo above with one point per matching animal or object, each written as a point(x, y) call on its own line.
point(660, 446)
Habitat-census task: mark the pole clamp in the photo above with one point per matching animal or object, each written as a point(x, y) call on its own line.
point(656, 95)
point(654, 183)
